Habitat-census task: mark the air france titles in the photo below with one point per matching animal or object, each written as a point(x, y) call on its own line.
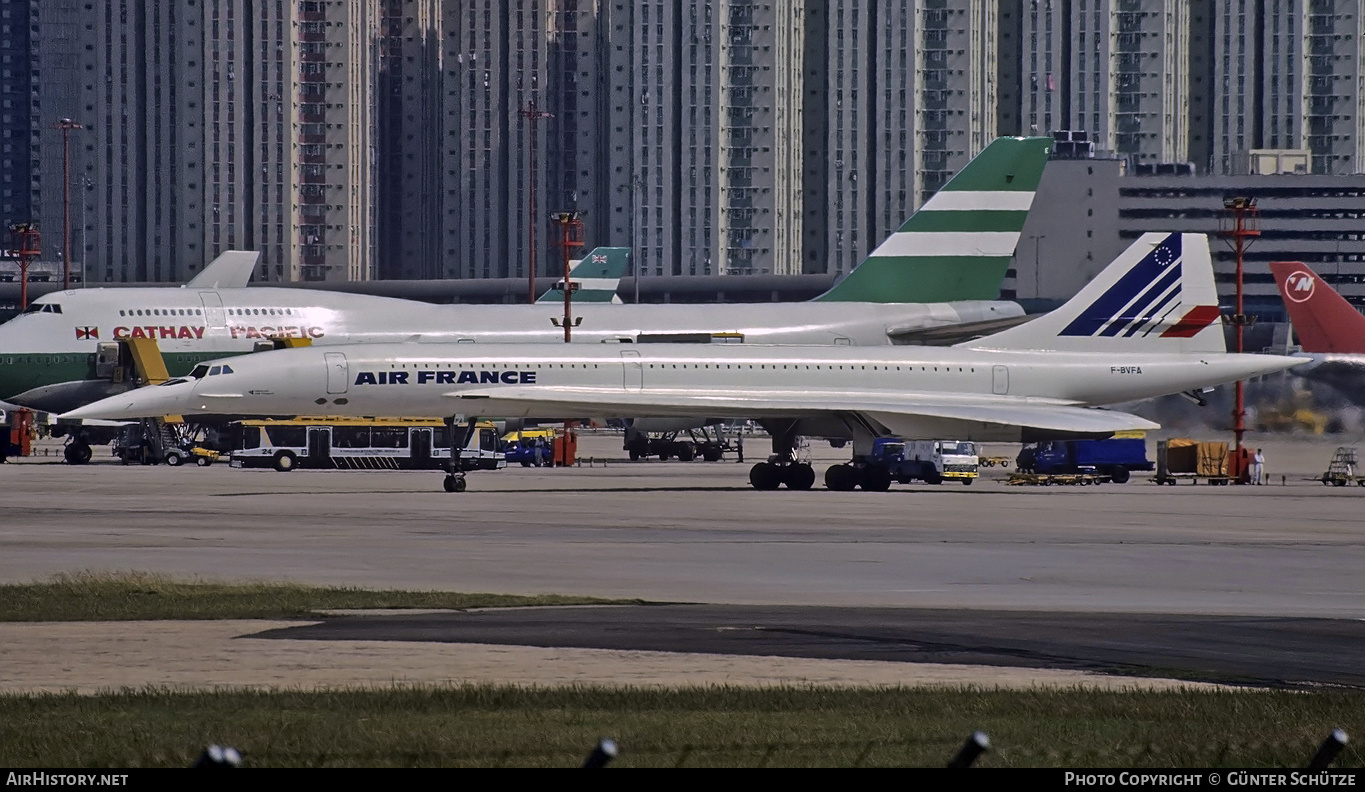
point(462, 377)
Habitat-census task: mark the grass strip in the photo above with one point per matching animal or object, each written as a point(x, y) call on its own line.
point(482, 726)
point(90, 596)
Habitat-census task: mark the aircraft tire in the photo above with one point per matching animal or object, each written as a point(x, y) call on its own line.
point(800, 476)
point(684, 452)
point(76, 453)
point(765, 476)
point(876, 479)
point(635, 454)
point(454, 484)
point(285, 461)
point(174, 459)
point(711, 454)
point(841, 478)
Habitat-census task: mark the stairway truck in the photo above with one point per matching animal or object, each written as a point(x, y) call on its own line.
point(1115, 457)
point(930, 461)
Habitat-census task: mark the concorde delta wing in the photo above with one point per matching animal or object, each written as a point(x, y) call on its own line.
point(984, 418)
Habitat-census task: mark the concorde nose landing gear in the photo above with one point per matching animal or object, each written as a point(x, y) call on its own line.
point(847, 477)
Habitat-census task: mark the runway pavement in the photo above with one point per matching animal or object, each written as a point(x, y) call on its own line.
point(695, 533)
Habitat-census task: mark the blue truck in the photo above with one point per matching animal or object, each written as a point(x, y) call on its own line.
point(1116, 457)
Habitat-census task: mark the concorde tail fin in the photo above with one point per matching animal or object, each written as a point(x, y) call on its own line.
point(1157, 296)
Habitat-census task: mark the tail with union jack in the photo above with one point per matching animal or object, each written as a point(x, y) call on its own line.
point(1157, 296)
point(1322, 319)
point(597, 277)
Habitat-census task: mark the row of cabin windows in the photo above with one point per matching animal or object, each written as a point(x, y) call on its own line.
point(199, 312)
point(762, 366)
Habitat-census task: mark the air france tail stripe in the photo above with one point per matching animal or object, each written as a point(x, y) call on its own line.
point(969, 243)
point(1154, 316)
point(1120, 296)
point(1137, 310)
point(995, 200)
point(1198, 318)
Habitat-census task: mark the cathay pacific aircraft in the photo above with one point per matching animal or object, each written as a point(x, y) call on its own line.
point(1147, 326)
point(944, 266)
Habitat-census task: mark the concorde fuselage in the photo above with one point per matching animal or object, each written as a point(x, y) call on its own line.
point(427, 379)
point(57, 344)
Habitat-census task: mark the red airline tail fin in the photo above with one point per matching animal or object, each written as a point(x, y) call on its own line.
point(1323, 319)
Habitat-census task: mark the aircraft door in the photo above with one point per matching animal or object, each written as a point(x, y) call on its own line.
point(214, 315)
point(421, 446)
point(106, 359)
point(337, 375)
point(1000, 380)
point(633, 378)
point(319, 444)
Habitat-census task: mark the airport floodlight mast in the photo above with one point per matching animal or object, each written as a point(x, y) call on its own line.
point(570, 238)
point(27, 246)
point(1240, 234)
point(66, 125)
point(532, 114)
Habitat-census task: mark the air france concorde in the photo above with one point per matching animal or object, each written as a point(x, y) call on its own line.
point(944, 266)
point(1148, 325)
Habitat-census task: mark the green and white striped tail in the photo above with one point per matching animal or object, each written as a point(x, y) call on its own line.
point(959, 244)
point(597, 275)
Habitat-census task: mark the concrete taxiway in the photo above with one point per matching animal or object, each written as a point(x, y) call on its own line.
point(695, 533)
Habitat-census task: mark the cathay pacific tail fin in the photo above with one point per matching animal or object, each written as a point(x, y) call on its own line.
point(1157, 296)
point(231, 270)
point(958, 245)
point(1322, 318)
point(597, 277)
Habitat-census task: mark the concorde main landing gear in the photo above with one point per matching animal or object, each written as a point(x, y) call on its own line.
point(848, 476)
point(782, 467)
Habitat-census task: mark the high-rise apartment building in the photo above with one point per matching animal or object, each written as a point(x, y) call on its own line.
point(1117, 69)
point(1287, 75)
point(17, 125)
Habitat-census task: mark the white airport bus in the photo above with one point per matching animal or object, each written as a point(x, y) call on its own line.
point(360, 443)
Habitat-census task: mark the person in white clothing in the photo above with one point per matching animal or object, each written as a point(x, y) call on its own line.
point(1258, 468)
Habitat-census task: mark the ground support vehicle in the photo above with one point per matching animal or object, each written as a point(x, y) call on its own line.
point(360, 443)
point(708, 443)
point(1181, 458)
point(1342, 469)
point(1114, 458)
point(903, 461)
point(18, 429)
point(529, 447)
point(995, 461)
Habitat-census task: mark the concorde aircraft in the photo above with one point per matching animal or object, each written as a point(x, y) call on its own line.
point(943, 266)
point(1146, 326)
point(1331, 331)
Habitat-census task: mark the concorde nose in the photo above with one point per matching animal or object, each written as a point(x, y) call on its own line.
point(153, 401)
